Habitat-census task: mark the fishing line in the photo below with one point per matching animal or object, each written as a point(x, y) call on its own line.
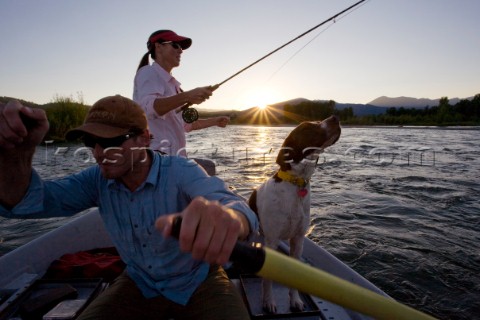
point(297, 52)
point(304, 46)
point(190, 115)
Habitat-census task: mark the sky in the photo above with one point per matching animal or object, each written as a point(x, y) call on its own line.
point(90, 49)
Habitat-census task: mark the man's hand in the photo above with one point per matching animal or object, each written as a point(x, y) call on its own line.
point(21, 126)
point(209, 231)
point(21, 130)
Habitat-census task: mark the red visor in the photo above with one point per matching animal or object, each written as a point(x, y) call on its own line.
point(168, 35)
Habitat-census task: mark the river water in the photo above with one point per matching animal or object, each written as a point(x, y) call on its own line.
point(399, 205)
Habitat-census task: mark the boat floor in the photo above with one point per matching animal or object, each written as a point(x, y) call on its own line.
point(250, 287)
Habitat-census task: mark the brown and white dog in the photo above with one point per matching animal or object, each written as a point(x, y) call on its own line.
point(282, 203)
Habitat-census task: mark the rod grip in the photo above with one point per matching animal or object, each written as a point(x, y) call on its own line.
point(188, 104)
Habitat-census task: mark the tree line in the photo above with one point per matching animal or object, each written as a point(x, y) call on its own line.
point(465, 112)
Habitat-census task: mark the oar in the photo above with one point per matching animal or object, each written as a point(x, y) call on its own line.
point(270, 264)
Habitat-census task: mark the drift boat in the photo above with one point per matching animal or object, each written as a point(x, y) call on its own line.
point(22, 272)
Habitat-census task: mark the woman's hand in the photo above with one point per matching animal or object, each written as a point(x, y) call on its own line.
point(222, 121)
point(199, 95)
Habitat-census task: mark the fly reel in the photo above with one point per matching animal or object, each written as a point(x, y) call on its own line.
point(189, 115)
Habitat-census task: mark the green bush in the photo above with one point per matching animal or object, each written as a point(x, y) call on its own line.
point(64, 114)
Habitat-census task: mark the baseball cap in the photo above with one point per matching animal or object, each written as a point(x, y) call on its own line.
point(168, 35)
point(111, 117)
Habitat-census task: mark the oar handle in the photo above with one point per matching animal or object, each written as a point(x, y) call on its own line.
point(247, 257)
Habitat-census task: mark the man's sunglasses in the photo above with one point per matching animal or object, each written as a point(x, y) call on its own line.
point(91, 141)
point(175, 45)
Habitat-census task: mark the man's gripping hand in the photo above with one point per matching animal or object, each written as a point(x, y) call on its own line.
point(20, 126)
point(209, 230)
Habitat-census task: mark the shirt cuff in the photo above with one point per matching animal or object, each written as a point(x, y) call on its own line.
point(32, 201)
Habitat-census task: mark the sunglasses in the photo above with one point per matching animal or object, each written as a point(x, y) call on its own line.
point(175, 45)
point(91, 141)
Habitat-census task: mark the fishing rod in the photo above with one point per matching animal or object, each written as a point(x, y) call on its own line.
point(190, 115)
point(270, 264)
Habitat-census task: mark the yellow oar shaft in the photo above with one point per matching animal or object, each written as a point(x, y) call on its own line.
point(270, 264)
point(293, 273)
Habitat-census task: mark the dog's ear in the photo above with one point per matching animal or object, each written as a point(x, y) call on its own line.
point(284, 158)
point(290, 152)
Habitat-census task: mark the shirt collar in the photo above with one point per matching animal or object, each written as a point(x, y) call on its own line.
point(154, 173)
point(167, 77)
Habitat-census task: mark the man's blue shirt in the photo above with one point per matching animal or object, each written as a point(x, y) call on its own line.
point(153, 262)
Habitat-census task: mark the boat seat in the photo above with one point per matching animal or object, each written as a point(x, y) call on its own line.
point(206, 164)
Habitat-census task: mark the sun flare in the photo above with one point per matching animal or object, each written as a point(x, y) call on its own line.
point(261, 98)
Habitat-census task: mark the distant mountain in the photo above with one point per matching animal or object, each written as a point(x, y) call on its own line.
point(375, 107)
point(274, 114)
point(292, 102)
point(408, 102)
point(357, 108)
point(360, 110)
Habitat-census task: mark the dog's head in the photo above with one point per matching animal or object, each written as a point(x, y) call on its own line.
point(308, 139)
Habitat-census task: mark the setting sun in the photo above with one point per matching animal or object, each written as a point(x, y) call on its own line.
point(260, 106)
point(261, 98)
